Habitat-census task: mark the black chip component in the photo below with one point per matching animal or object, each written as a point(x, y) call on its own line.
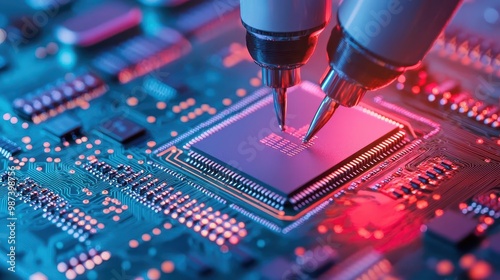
point(8, 147)
point(46, 102)
point(203, 15)
point(98, 24)
point(454, 229)
point(142, 54)
point(122, 130)
point(64, 127)
point(274, 167)
point(164, 87)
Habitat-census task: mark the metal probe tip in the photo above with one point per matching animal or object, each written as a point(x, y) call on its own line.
point(323, 115)
point(279, 95)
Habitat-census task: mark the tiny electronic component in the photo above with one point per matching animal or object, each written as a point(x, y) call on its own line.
point(449, 97)
point(122, 130)
point(73, 262)
point(274, 167)
point(56, 209)
point(51, 100)
point(161, 197)
point(64, 127)
point(8, 148)
point(487, 203)
point(142, 54)
point(164, 88)
point(454, 229)
point(98, 24)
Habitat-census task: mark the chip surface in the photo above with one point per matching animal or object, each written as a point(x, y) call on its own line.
point(254, 146)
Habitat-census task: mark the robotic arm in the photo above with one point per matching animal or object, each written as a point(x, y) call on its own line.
point(371, 45)
point(281, 37)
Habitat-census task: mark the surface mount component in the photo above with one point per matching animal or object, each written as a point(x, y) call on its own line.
point(122, 130)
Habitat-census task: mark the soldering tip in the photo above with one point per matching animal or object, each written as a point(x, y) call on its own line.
point(323, 115)
point(279, 95)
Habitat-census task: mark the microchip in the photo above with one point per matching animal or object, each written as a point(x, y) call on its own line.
point(454, 229)
point(64, 127)
point(163, 86)
point(122, 130)
point(273, 166)
point(141, 54)
point(98, 24)
point(8, 147)
point(59, 96)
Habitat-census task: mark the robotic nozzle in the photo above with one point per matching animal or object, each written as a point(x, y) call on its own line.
point(279, 95)
point(281, 37)
point(280, 80)
point(339, 91)
point(360, 62)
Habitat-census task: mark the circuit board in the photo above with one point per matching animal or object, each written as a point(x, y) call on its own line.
point(138, 142)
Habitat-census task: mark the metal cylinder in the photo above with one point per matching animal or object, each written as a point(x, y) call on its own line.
point(397, 31)
point(285, 16)
point(282, 34)
point(375, 41)
point(280, 78)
